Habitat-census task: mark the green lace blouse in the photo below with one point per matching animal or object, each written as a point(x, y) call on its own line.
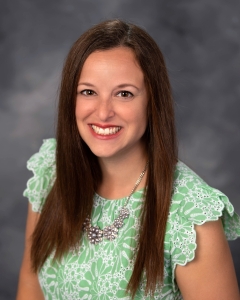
point(102, 271)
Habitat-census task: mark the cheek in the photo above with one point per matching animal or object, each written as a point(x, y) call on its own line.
point(142, 114)
point(143, 118)
point(82, 110)
point(77, 109)
point(80, 117)
point(138, 119)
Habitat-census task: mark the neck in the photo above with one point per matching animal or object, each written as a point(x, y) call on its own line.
point(120, 175)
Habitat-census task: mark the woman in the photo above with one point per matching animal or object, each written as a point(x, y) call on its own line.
point(161, 234)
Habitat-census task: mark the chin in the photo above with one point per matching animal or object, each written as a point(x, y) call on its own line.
point(100, 154)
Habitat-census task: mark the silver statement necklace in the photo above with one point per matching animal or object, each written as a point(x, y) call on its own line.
point(96, 235)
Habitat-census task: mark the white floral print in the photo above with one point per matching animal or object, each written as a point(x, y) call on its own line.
point(102, 271)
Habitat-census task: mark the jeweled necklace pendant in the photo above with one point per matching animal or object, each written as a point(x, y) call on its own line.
point(96, 235)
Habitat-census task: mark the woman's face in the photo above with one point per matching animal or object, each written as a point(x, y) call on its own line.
point(111, 103)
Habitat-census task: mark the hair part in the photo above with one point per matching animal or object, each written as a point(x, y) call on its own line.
point(77, 168)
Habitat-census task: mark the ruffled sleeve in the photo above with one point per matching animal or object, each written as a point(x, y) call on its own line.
point(43, 166)
point(195, 203)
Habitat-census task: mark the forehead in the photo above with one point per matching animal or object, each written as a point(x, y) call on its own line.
point(124, 53)
point(120, 60)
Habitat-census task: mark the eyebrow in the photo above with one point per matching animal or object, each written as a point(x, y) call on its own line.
point(85, 83)
point(123, 85)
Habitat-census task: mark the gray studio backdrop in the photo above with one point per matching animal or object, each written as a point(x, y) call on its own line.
point(201, 43)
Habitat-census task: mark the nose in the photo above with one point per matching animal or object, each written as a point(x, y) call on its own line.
point(105, 109)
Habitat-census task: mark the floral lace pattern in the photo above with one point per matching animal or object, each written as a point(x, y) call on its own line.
point(102, 271)
point(43, 166)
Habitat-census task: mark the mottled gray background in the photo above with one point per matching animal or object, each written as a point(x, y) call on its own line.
point(201, 43)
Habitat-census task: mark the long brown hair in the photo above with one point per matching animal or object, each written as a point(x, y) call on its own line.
point(78, 170)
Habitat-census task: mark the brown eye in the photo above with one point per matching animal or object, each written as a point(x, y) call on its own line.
point(87, 92)
point(125, 94)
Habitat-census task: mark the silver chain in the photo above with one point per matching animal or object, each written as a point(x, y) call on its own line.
point(95, 234)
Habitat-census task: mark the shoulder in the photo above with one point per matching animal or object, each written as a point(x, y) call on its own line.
point(193, 203)
point(45, 157)
point(195, 200)
point(211, 274)
point(43, 166)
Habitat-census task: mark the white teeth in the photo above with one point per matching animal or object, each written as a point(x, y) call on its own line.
point(101, 131)
point(105, 131)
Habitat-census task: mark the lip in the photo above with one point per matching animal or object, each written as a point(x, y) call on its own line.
point(104, 126)
point(104, 137)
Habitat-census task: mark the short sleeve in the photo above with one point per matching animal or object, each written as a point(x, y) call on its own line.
point(43, 166)
point(195, 203)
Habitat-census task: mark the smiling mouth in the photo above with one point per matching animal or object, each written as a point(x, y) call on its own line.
point(105, 131)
